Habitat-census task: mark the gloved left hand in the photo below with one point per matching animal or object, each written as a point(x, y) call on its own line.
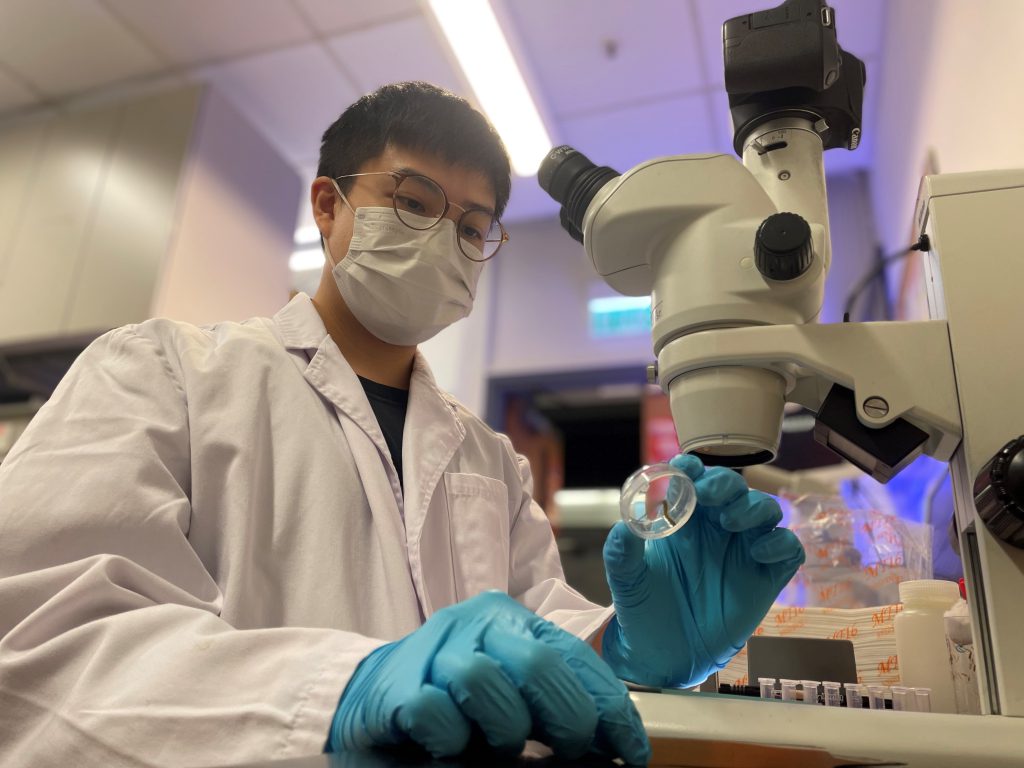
point(686, 604)
point(488, 664)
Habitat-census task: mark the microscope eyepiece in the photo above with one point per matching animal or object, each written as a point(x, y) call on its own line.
point(572, 180)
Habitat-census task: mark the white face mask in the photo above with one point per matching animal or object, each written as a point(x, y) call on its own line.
point(404, 285)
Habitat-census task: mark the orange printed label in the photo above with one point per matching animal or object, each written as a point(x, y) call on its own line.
point(789, 629)
point(787, 615)
point(834, 590)
point(885, 615)
point(846, 633)
point(889, 665)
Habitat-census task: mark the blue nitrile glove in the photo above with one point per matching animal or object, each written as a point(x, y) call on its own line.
point(686, 604)
point(488, 662)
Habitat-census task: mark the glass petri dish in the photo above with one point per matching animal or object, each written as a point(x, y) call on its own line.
point(657, 500)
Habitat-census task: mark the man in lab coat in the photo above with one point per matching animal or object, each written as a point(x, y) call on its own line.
point(266, 539)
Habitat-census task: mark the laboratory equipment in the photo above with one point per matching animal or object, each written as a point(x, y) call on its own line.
point(901, 699)
point(876, 697)
point(657, 500)
point(789, 689)
point(922, 699)
point(734, 257)
point(767, 687)
point(960, 646)
point(831, 693)
point(854, 695)
point(810, 691)
point(921, 639)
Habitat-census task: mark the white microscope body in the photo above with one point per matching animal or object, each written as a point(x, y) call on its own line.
point(736, 291)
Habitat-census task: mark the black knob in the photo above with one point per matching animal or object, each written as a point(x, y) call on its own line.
point(999, 493)
point(782, 246)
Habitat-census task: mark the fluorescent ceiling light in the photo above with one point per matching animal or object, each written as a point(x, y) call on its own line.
point(480, 46)
point(302, 261)
point(307, 234)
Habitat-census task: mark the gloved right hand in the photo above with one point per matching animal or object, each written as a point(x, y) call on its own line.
point(491, 663)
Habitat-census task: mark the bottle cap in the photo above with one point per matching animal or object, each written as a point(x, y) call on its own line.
point(933, 591)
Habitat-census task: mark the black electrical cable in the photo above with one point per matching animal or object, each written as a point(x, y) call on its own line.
point(851, 298)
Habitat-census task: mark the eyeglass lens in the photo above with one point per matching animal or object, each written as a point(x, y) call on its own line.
point(479, 233)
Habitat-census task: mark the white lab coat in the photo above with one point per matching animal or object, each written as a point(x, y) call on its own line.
point(202, 533)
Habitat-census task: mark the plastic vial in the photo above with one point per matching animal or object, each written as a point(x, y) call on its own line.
point(876, 696)
point(832, 697)
point(962, 661)
point(901, 700)
point(767, 687)
point(657, 500)
point(810, 691)
point(854, 698)
point(789, 689)
point(923, 699)
point(921, 639)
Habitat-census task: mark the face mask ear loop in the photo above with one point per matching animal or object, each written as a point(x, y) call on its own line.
point(323, 241)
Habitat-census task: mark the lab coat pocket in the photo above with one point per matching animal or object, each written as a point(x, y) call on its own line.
point(478, 522)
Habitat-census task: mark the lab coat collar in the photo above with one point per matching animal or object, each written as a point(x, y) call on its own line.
point(299, 324)
point(301, 327)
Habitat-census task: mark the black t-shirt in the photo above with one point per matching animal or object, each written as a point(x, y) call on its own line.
point(389, 406)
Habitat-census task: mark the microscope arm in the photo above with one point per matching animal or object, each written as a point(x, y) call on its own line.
point(902, 370)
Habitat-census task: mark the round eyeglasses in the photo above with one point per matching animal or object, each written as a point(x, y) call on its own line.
point(419, 198)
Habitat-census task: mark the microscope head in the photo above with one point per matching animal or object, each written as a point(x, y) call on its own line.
point(703, 238)
point(721, 245)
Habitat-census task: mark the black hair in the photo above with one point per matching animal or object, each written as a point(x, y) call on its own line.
point(421, 117)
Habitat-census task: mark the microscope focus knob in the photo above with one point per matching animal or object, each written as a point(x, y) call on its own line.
point(782, 247)
point(999, 493)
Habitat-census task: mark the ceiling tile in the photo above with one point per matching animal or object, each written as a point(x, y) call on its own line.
point(566, 44)
point(330, 16)
point(402, 50)
point(64, 47)
point(196, 31)
point(859, 25)
point(625, 137)
point(13, 94)
point(291, 95)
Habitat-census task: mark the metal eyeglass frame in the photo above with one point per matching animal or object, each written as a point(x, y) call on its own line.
point(399, 177)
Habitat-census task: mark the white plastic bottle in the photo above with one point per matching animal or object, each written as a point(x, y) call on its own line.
point(921, 639)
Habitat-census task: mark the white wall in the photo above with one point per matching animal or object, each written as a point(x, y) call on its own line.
point(543, 282)
point(87, 198)
point(234, 226)
point(162, 203)
point(952, 80)
point(854, 241)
